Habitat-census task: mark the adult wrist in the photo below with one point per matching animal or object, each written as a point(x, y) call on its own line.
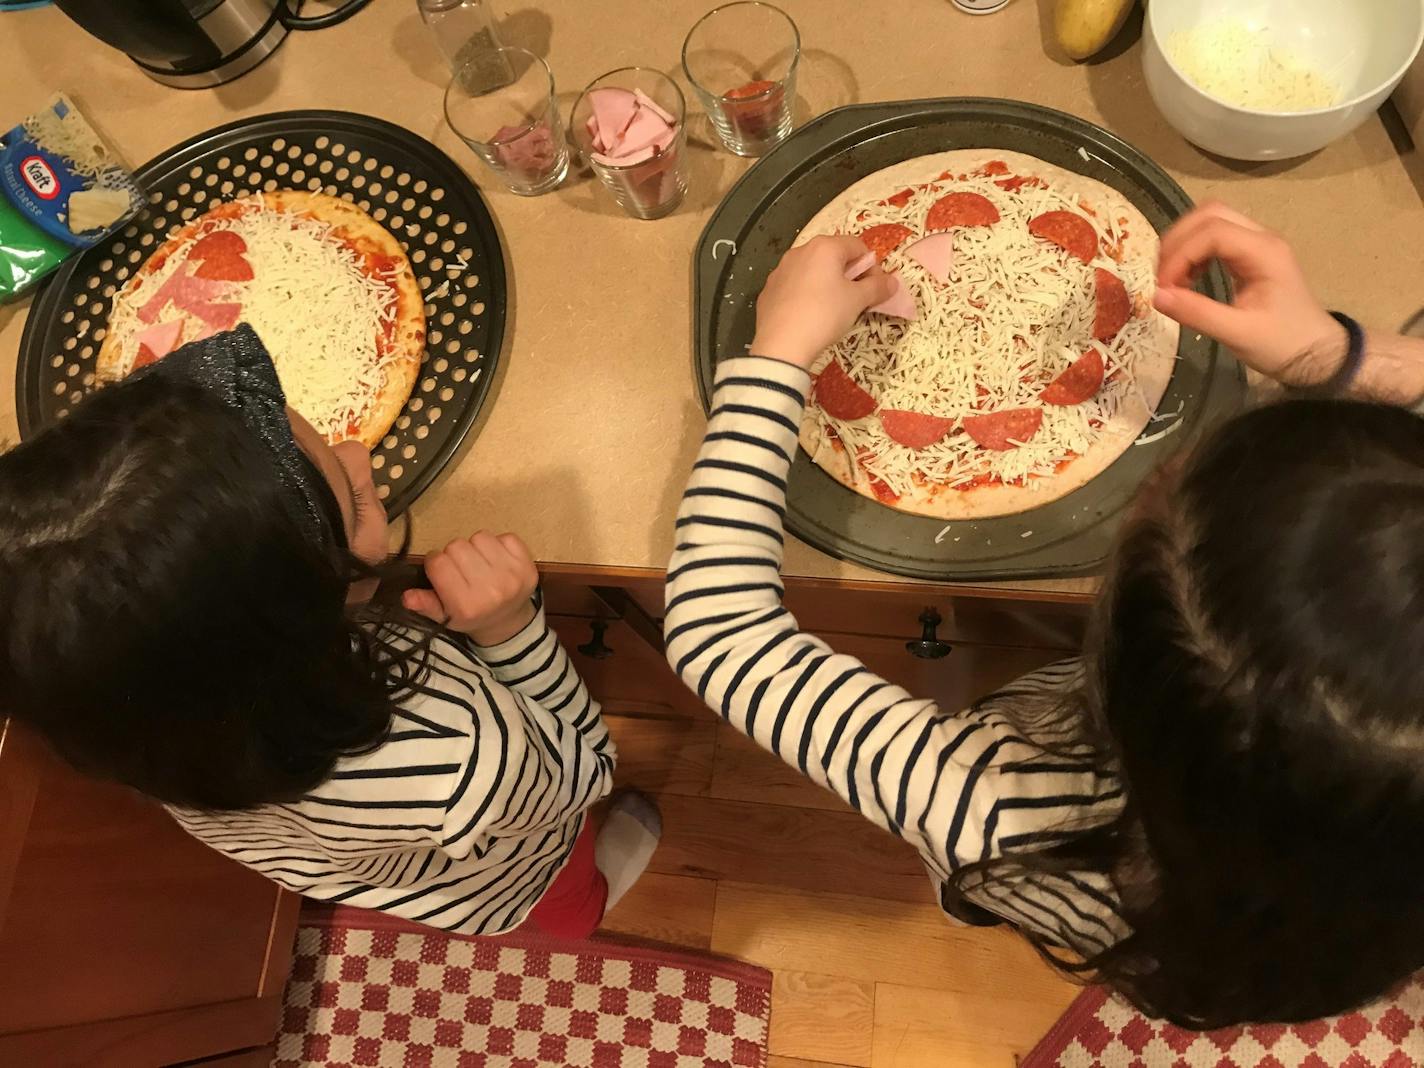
point(1339, 355)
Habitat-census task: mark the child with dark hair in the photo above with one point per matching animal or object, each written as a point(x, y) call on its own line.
point(1215, 809)
point(185, 573)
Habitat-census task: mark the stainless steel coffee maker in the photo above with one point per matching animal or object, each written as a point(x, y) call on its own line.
point(193, 44)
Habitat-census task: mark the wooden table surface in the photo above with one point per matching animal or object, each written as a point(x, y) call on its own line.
point(594, 419)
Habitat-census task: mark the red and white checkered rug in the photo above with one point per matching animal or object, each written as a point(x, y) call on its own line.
point(1099, 1031)
point(368, 989)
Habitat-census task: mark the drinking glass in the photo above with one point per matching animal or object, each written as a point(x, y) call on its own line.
point(741, 59)
point(502, 105)
point(653, 181)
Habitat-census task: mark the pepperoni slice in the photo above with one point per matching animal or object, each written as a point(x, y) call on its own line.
point(753, 108)
point(1070, 232)
point(145, 357)
point(885, 239)
point(219, 256)
point(914, 430)
point(1001, 431)
point(224, 268)
point(218, 243)
point(839, 396)
point(900, 199)
point(961, 209)
point(1114, 306)
point(1079, 381)
point(750, 89)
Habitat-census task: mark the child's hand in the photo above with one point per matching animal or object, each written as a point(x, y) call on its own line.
point(482, 587)
point(808, 303)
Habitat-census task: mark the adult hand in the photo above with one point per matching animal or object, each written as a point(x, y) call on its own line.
point(808, 303)
point(482, 587)
point(1274, 325)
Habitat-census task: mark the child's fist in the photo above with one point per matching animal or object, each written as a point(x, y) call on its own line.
point(482, 587)
point(808, 303)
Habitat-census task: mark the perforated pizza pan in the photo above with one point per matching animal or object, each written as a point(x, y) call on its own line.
point(407, 185)
point(764, 212)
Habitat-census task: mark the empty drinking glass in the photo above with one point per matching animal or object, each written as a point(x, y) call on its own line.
point(630, 124)
point(741, 59)
point(502, 105)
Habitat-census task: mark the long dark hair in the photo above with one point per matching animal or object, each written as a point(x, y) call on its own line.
point(1256, 678)
point(166, 624)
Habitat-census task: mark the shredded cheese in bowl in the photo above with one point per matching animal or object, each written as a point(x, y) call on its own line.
point(1240, 66)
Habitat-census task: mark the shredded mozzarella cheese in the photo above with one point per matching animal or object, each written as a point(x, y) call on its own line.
point(1016, 312)
point(312, 301)
point(1238, 64)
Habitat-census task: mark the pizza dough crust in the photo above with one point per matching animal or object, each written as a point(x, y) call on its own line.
point(1154, 363)
point(367, 236)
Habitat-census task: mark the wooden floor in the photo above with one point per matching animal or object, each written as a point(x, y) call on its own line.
point(760, 865)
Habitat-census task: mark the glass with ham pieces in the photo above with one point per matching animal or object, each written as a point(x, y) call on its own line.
point(630, 125)
point(501, 103)
point(741, 59)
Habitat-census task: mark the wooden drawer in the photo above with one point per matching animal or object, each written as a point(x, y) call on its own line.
point(123, 940)
point(568, 592)
point(826, 608)
point(889, 609)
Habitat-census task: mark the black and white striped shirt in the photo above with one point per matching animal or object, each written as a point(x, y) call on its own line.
point(465, 814)
point(960, 787)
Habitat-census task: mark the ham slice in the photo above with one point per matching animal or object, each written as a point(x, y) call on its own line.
point(218, 317)
point(935, 253)
point(652, 105)
point(643, 132)
point(627, 128)
point(900, 304)
point(860, 265)
point(641, 156)
point(161, 339)
point(613, 110)
point(183, 291)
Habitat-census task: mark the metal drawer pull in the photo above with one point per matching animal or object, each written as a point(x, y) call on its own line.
point(928, 646)
point(595, 649)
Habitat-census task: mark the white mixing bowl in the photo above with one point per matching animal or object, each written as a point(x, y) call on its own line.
point(1365, 45)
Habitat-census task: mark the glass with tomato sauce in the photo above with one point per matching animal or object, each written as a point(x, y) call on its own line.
point(741, 59)
point(502, 104)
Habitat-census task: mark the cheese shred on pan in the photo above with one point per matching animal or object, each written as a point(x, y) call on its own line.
point(318, 311)
point(1016, 312)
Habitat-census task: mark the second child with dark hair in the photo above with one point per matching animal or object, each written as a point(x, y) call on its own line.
point(1217, 809)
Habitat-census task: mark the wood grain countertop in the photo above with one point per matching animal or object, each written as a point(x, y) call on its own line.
point(594, 421)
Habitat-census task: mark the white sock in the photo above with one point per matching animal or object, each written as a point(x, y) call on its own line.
point(626, 842)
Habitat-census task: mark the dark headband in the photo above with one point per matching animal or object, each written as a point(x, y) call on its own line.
point(236, 369)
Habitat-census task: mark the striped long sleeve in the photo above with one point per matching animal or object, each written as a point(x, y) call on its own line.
point(467, 812)
point(959, 786)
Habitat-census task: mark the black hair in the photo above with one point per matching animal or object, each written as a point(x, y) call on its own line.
point(1256, 679)
point(167, 624)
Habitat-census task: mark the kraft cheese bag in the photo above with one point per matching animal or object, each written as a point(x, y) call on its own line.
point(62, 189)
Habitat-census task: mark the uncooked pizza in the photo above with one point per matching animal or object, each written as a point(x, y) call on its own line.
point(327, 289)
point(1020, 354)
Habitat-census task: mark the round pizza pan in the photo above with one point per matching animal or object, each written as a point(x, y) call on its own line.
point(764, 212)
point(407, 185)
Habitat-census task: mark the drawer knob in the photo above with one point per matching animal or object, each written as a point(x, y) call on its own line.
point(928, 646)
point(594, 648)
